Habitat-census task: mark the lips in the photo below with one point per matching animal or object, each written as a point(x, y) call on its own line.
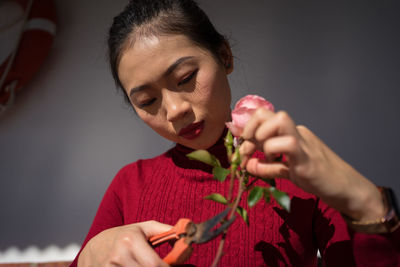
point(192, 130)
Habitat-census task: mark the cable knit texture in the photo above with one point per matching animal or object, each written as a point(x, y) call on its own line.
point(171, 186)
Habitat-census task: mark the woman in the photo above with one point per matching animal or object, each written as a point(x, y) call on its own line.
point(172, 66)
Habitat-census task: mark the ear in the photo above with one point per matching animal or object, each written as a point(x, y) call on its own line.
point(226, 57)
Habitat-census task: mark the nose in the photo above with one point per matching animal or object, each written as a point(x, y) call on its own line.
point(175, 105)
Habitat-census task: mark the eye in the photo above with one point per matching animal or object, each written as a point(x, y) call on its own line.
point(146, 103)
point(188, 78)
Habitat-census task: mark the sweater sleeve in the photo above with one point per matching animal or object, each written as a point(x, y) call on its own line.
point(341, 246)
point(377, 250)
point(109, 214)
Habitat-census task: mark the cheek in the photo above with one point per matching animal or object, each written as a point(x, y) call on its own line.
point(204, 89)
point(219, 92)
point(152, 121)
point(159, 125)
point(212, 87)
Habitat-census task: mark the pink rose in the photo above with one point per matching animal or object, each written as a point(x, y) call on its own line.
point(243, 111)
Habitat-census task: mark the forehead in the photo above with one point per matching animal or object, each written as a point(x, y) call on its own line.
point(154, 54)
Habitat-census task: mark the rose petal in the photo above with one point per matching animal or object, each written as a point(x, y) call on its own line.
point(243, 111)
point(241, 116)
point(253, 102)
point(236, 131)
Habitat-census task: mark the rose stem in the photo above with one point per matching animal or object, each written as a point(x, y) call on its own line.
point(235, 205)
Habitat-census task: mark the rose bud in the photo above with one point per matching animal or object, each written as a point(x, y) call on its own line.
point(243, 111)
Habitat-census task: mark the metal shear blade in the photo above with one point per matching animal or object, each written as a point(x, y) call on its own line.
point(204, 230)
point(185, 232)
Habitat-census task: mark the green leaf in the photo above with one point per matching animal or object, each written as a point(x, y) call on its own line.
point(281, 197)
point(243, 213)
point(217, 198)
point(255, 195)
point(220, 173)
point(205, 157)
point(269, 181)
point(267, 195)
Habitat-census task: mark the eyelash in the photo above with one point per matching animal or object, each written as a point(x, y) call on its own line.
point(148, 103)
point(184, 81)
point(188, 79)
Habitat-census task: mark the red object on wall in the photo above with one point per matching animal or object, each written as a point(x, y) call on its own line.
point(34, 43)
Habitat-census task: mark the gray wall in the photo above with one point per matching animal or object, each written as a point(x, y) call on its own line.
point(333, 65)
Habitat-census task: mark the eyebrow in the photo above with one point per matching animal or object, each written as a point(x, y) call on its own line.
point(166, 73)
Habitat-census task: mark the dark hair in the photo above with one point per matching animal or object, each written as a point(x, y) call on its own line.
point(158, 17)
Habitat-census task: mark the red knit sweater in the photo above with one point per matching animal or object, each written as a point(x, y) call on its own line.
point(171, 186)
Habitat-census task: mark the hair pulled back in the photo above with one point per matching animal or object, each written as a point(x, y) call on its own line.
point(142, 18)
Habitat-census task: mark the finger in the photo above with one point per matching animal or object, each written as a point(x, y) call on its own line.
point(259, 116)
point(151, 228)
point(121, 255)
point(147, 255)
point(267, 169)
point(246, 150)
point(288, 145)
point(126, 262)
point(280, 124)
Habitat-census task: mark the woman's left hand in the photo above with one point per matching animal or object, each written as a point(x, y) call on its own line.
point(309, 164)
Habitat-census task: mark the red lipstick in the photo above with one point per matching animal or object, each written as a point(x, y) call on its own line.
point(192, 130)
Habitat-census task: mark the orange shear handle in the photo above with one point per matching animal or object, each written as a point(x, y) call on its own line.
point(181, 250)
point(179, 253)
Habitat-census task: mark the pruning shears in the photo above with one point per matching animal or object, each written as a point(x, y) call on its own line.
point(185, 232)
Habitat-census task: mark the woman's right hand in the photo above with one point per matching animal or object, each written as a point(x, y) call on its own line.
point(125, 245)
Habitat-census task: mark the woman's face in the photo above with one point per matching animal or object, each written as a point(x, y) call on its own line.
point(177, 88)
